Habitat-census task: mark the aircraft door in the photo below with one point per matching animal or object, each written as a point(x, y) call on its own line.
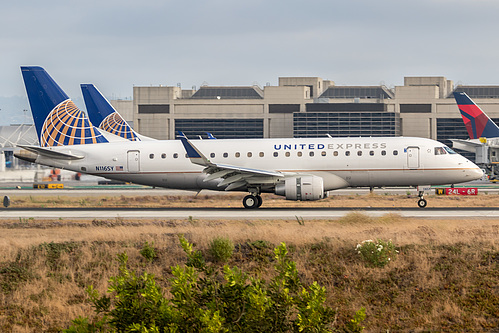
point(413, 157)
point(133, 161)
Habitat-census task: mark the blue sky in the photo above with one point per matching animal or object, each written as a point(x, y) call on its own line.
point(119, 44)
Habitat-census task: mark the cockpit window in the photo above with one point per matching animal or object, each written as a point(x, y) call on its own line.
point(440, 151)
point(450, 151)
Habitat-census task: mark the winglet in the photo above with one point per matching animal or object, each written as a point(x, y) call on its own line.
point(193, 153)
point(210, 136)
point(477, 123)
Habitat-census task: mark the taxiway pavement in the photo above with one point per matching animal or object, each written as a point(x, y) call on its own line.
point(241, 213)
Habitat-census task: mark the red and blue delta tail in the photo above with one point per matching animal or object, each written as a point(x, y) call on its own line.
point(476, 121)
point(58, 120)
point(102, 114)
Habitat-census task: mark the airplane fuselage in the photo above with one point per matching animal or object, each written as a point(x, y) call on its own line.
point(340, 162)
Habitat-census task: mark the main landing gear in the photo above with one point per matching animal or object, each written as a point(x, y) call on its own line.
point(421, 202)
point(253, 200)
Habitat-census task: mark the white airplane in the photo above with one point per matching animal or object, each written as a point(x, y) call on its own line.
point(298, 169)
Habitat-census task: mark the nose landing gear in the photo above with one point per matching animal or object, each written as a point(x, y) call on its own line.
point(421, 202)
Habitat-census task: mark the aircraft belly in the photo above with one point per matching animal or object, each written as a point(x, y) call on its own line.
point(332, 181)
point(186, 181)
point(167, 180)
point(415, 177)
point(344, 178)
point(397, 178)
point(443, 177)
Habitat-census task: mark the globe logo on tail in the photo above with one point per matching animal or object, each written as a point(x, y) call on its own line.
point(114, 124)
point(67, 125)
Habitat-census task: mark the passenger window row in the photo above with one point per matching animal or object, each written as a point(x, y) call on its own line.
point(286, 154)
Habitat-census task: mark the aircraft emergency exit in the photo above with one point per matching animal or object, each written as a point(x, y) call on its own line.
point(298, 169)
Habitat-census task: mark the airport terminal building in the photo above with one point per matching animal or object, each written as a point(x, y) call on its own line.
point(306, 107)
point(297, 107)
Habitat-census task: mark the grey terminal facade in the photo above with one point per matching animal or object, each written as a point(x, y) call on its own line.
point(306, 107)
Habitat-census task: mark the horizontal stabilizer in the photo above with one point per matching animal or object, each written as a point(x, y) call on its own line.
point(51, 153)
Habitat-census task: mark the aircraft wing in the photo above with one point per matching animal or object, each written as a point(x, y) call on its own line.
point(233, 176)
point(51, 153)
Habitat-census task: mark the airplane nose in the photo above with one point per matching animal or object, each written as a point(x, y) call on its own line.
point(474, 173)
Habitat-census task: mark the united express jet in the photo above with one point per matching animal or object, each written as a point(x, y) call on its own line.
point(298, 169)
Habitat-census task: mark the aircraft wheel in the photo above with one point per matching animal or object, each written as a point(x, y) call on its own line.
point(422, 203)
point(259, 201)
point(250, 201)
point(6, 201)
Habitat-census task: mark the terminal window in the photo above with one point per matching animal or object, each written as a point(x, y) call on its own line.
point(338, 124)
point(154, 108)
point(221, 128)
point(415, 108)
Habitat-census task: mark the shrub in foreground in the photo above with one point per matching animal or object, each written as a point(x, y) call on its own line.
point(221, 249)
point(377, 253)
point(148, 251)
point(206, 299)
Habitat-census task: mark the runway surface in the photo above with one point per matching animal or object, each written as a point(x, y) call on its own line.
point(81, 189)
point(225, 213)
point(241, 213)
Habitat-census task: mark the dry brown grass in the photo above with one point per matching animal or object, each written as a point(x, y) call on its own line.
point(445, 278)
point(234, 200)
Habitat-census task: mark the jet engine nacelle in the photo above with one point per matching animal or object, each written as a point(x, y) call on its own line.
point(302, 188)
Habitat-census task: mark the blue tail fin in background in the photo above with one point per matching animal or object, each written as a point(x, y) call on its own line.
point(58, 120)
point(103, 115)
point(477, 123)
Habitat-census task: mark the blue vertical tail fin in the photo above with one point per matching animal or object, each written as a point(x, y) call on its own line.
point(58, 120)
point(477, 123)
point(103, 115)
